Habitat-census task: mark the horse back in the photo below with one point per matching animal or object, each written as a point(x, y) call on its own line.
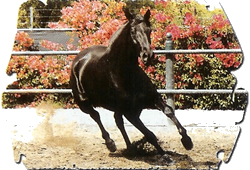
point(93, 49)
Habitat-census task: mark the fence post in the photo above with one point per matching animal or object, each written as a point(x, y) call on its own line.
point(170, 71)
point(31, 17)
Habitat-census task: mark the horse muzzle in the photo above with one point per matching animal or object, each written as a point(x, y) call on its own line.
point(146, 56)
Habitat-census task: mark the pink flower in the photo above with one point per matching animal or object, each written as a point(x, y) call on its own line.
point(189, 19)
point(161, 17)
point(90, 25)
point(162, 58)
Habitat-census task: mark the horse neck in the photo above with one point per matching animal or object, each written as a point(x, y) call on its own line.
point(121, 49)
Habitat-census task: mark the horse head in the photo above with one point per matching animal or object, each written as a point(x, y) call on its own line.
point(140, 34)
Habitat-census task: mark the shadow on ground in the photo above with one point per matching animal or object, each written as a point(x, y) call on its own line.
point(143, 151)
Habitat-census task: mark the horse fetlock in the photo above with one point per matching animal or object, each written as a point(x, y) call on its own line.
point(111, 145)
point(182, 131)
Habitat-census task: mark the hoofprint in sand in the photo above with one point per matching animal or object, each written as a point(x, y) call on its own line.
point(67, 138)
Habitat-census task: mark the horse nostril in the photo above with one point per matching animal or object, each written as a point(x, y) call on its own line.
point(144, 58)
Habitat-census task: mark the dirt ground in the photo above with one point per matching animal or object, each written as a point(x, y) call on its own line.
point(72, 146)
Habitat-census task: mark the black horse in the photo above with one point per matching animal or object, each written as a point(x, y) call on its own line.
point(110, 77)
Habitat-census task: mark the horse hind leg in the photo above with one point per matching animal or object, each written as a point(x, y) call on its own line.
point(87, 108)
point(120, 124)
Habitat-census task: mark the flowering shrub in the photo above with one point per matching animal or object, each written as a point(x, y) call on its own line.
point(51, 45)
point(95, 21)
point(22, 42)
point(40, 72)
point(192, 27)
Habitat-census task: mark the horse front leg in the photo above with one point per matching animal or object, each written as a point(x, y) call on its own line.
point(169, 112)
point(150, 137)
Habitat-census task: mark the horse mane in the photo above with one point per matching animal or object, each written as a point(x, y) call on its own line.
point(117, 33)
point(137, 19)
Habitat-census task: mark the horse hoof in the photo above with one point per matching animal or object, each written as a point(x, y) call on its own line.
point(187, 142)
point(111, 145)
point(166, 160)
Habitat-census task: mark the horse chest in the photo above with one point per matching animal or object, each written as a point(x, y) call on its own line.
point(132, 84)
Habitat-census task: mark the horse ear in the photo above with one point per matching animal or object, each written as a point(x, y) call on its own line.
point(128, 15)
point(147, 15)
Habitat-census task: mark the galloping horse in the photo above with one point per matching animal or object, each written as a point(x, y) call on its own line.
point(110, 77)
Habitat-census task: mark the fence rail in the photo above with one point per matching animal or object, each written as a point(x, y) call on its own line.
point(162, 91)
point(199, 51)
point(46, 29)
point(23, 53)
point(209, 51)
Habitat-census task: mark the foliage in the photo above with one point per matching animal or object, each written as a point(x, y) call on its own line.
point(24, 14)
point(192, 27)
point(42, 14)
point(53, 9)
point(136, 5)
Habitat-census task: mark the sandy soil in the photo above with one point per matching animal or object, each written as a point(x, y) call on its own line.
point(73, 146)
